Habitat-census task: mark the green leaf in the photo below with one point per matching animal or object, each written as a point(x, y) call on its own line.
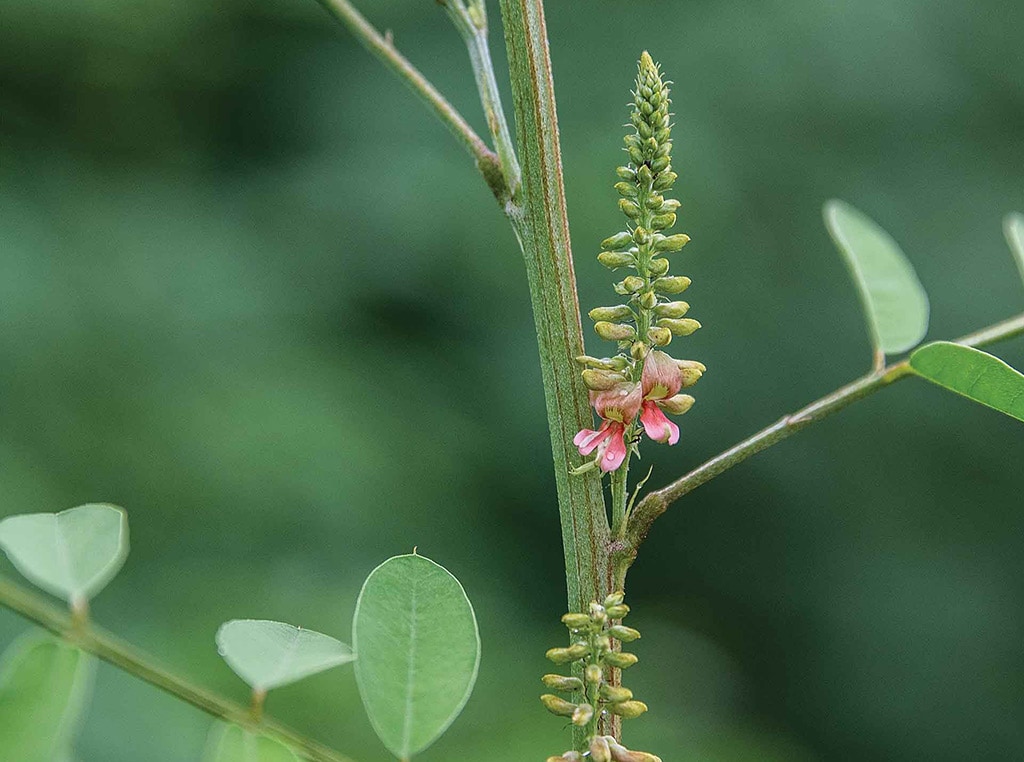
point(1013, 228)
point(419, 650)
point(44, 688)
point(231, 743)
point(72, 554)
point(972, 373)
point(270, 654)
point(894, 301)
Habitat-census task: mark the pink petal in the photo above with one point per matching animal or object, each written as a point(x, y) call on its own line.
point(657, 425)
point(620, 403)
point(615, 449)
point(661, 377)
point(587, 440)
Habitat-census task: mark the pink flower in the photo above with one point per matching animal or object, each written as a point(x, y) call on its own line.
point(660, 381)
point(617, 407)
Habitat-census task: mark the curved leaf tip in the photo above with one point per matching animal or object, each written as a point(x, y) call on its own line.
point(971, 373)
point(894, 301)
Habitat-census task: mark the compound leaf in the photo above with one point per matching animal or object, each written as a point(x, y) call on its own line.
point(973, 374)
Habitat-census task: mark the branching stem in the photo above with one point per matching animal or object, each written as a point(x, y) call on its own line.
point(105, 646)
point(657, 502)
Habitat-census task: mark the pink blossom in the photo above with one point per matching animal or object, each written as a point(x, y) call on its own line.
point(661, 380)
point(617, 407)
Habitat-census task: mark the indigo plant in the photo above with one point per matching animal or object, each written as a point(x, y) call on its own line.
point(415, 641)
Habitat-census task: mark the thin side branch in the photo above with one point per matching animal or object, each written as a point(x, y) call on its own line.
point(471, 21)
point(657, 502)
point(110, 649)
point(384, 49)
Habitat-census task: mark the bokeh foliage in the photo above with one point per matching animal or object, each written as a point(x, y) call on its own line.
point(250, 291)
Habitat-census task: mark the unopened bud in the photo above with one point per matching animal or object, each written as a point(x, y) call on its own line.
point(614, 331)
point(616, 694)
point(683, 327)
point(669, 205)
point(638, 350)
point(660, 164)
point(654, 201)
point(626, 173)
point(672, 242)
point(599, 750)
point(558, 706)
point(659, 336)
point(584, 713)
point(615, 599)
point(620, 659)
point(606, 363)
point(622, 754)
point(593, 674)
point(665, 180)
point(644, 175)
point(562, 683)
point(648, 299)
point(629, 710)
point(600, 380)
point(615, 259)
point(632, 283)
point(662, 221)
point(575, 621)
point(603, 643)
point(673, 285)
point(597, 613)
point(641, 236)
point(626, 189)
point(659, 267)
point(676, 405)
point(618, 312)
point(672, 309)
point(566, 655)
point(691, 364)
point(690, 376)
point(629, 208)
point(618, 611)
point(569, 756)
point(623, 633)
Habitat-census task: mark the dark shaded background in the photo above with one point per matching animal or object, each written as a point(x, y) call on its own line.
point(252, 292)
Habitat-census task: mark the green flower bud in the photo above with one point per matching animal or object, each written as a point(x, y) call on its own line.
point(632, 283)
point(599, 750)
point(617, 612)
point(672, 309)
point(598, 381)
point(573, 620)
point(615, 259)
point(660, 164)
point(618, 312)
point(644, 177)
point(614, 331)
point(597, 613)
point(654, 201)
point(690, 376)
point(685, 365)
point(603, 643)
point(636, 155)
point(614, 599)
point(617, 242)
point(677, 405)
point(566, 655)
point(626, 173)
point(675, 284)
point(558, 706)
point(665, 180)
point(669, 206)
point(638, 351)
point(630, 208)
point(641, 236)
point(671, 243)
point(616, 694)
point(662, 221)
point(648, 299)
point(620, 659)
point(562, 683)
point(623, 633)
point(659, 336)
point(574, 756)
point(593, 674)
point(683, 327)
point(627, 190)
point(629, 710)
point(605, 364)
point(622, 754)
point(659, 267)
point(584, 713)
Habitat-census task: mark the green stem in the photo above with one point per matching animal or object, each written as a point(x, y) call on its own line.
point(383, 48)
point(102, 644)
point(620, 495)
point(657, 502)
point(472, 25)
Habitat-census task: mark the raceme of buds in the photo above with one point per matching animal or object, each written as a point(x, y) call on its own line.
point(649, 318)
point(595, 653)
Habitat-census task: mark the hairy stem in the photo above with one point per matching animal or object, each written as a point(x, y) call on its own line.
point(657, 502)
point(383, 48)
point(471, 22)
point(107, 647)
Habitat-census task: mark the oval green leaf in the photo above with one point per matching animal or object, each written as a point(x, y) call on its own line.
point(44, 689)
point(418, 651)
point(72, 554)
point(231, 743)
point(270, 654)
point(1013, 228)
point(893, 298)
point(973, 374)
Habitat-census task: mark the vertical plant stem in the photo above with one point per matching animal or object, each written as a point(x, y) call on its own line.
point(620, 495)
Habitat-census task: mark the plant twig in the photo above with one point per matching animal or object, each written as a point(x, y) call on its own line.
point(657, 502)
point(471, 21)
point(384, 49)
point(110, 649)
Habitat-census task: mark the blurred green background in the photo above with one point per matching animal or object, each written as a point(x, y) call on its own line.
point(252, 292)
